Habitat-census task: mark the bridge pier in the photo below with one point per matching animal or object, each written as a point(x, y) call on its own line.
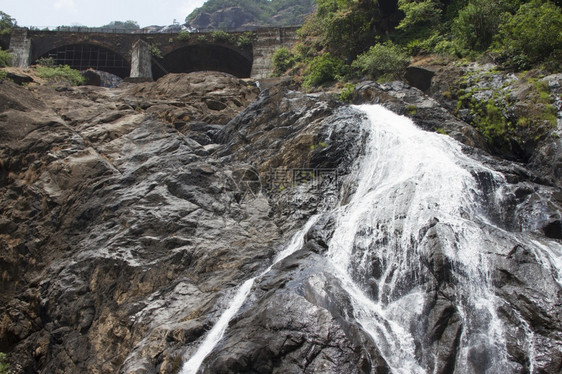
point(20, 48)
point(141, 60)
point(269, 40)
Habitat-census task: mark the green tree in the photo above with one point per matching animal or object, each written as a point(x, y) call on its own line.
point(533, 33)
point(6, 23)
point(344, 28)
point(418, 13)
point(477, 23)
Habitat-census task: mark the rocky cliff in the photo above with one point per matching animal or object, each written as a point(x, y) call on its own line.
point(130, 217)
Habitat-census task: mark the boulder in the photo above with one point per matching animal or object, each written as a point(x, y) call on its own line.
point(92, 78)
point(419, 77)
point(18, 78)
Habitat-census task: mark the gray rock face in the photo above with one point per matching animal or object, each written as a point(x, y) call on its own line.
point(129, 217)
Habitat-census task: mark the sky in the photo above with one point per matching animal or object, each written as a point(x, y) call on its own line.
point(92, 13)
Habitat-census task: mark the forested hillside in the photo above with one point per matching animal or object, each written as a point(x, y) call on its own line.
point(230, 14)
point(344, 37)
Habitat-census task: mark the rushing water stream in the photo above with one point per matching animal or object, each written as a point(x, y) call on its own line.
point(409, 183)
point(215, 334)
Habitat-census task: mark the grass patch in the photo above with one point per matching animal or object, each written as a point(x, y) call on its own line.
point(60, 74)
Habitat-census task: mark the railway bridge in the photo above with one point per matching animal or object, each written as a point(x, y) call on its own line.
point(152, 55)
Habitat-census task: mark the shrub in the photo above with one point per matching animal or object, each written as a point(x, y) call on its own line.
point(183, 36)
point(60, 74)
point(221, 36)
point(245, 40)
point(155, 51)
point(346, 94)
point(532, 34)
point(323, 68)
point(4, 367)
point(5, 58)
point(46, 61)
point(387, 61)
point(282, 61)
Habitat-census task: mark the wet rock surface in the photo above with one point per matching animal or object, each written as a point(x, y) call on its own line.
point(130, 216)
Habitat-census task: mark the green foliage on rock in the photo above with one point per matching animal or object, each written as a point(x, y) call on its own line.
point(60, 74)
point(5, 58)
point(512, 112)
point(347, 92)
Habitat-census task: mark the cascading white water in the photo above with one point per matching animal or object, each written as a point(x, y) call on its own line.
point(215, 334)
point(409, 179)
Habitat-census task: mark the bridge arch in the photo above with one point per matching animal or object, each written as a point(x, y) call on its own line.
point(84, 56)
point(201, 57)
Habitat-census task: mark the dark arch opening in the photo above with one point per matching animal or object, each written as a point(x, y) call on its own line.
point(203, 57)
point(3, 45)
point(86, 56)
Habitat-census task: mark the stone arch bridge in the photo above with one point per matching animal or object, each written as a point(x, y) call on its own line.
point(152, 55)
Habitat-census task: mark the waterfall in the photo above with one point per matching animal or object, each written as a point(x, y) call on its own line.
point(420, 211)
point(409, 181)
